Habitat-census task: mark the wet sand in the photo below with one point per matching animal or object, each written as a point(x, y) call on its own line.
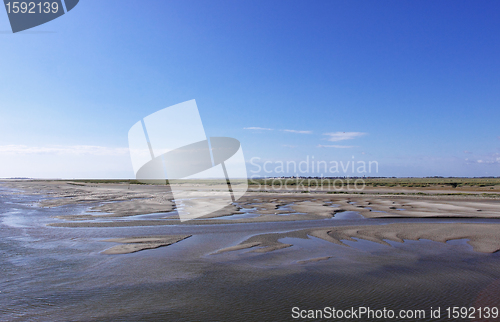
point(123, 205)
point(296, 249)
point(110, 201)
point(135, 244)
point(484, 238)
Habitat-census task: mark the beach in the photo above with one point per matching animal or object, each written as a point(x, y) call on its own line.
point(120, 251)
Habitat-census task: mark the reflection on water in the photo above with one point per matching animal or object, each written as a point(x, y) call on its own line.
point(347, 215)
point(152, 216)
point(245, 215)
point(59, 274)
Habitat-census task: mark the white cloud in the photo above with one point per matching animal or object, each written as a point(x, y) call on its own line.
point(341, 136)
point(60, 149)
point(300, 132)
point(489, 161)
point(336, 146)
point(492, 158)
point(257, 128)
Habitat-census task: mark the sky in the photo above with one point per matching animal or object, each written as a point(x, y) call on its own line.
point(411, 85)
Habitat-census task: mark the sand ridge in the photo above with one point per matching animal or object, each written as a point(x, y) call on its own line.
point(107, 201)
point(135, 244)
point(110, 201)
point(484, 238)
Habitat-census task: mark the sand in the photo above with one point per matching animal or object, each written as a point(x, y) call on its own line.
point(109, 202)
point(104, 200)
point(484, 238)
point(290, 207)
point(135, 244)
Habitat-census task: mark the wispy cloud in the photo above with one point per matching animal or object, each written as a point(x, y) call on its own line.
point(492, 158)
point(257, 128)
point(336, 146)
point(341, 136)
point(300, 132)
point(467, 152)
point(59, 149)
point(489, 161)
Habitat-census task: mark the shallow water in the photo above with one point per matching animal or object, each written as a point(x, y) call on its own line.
point(59, 274)
point(347, 215)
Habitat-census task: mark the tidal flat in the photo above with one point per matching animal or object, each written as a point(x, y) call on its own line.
point(116, 251)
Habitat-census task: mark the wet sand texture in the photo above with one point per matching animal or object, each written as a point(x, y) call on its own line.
point(135, 244)
point(484, 238)
point(121, 200)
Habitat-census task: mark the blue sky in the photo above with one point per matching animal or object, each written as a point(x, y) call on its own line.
point(415, 85)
